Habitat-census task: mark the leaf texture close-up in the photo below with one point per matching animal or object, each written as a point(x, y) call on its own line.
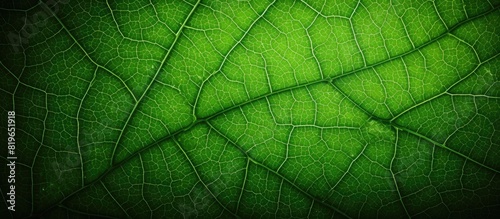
point(250, 109)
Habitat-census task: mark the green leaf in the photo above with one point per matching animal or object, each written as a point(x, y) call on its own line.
point(252, 109)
